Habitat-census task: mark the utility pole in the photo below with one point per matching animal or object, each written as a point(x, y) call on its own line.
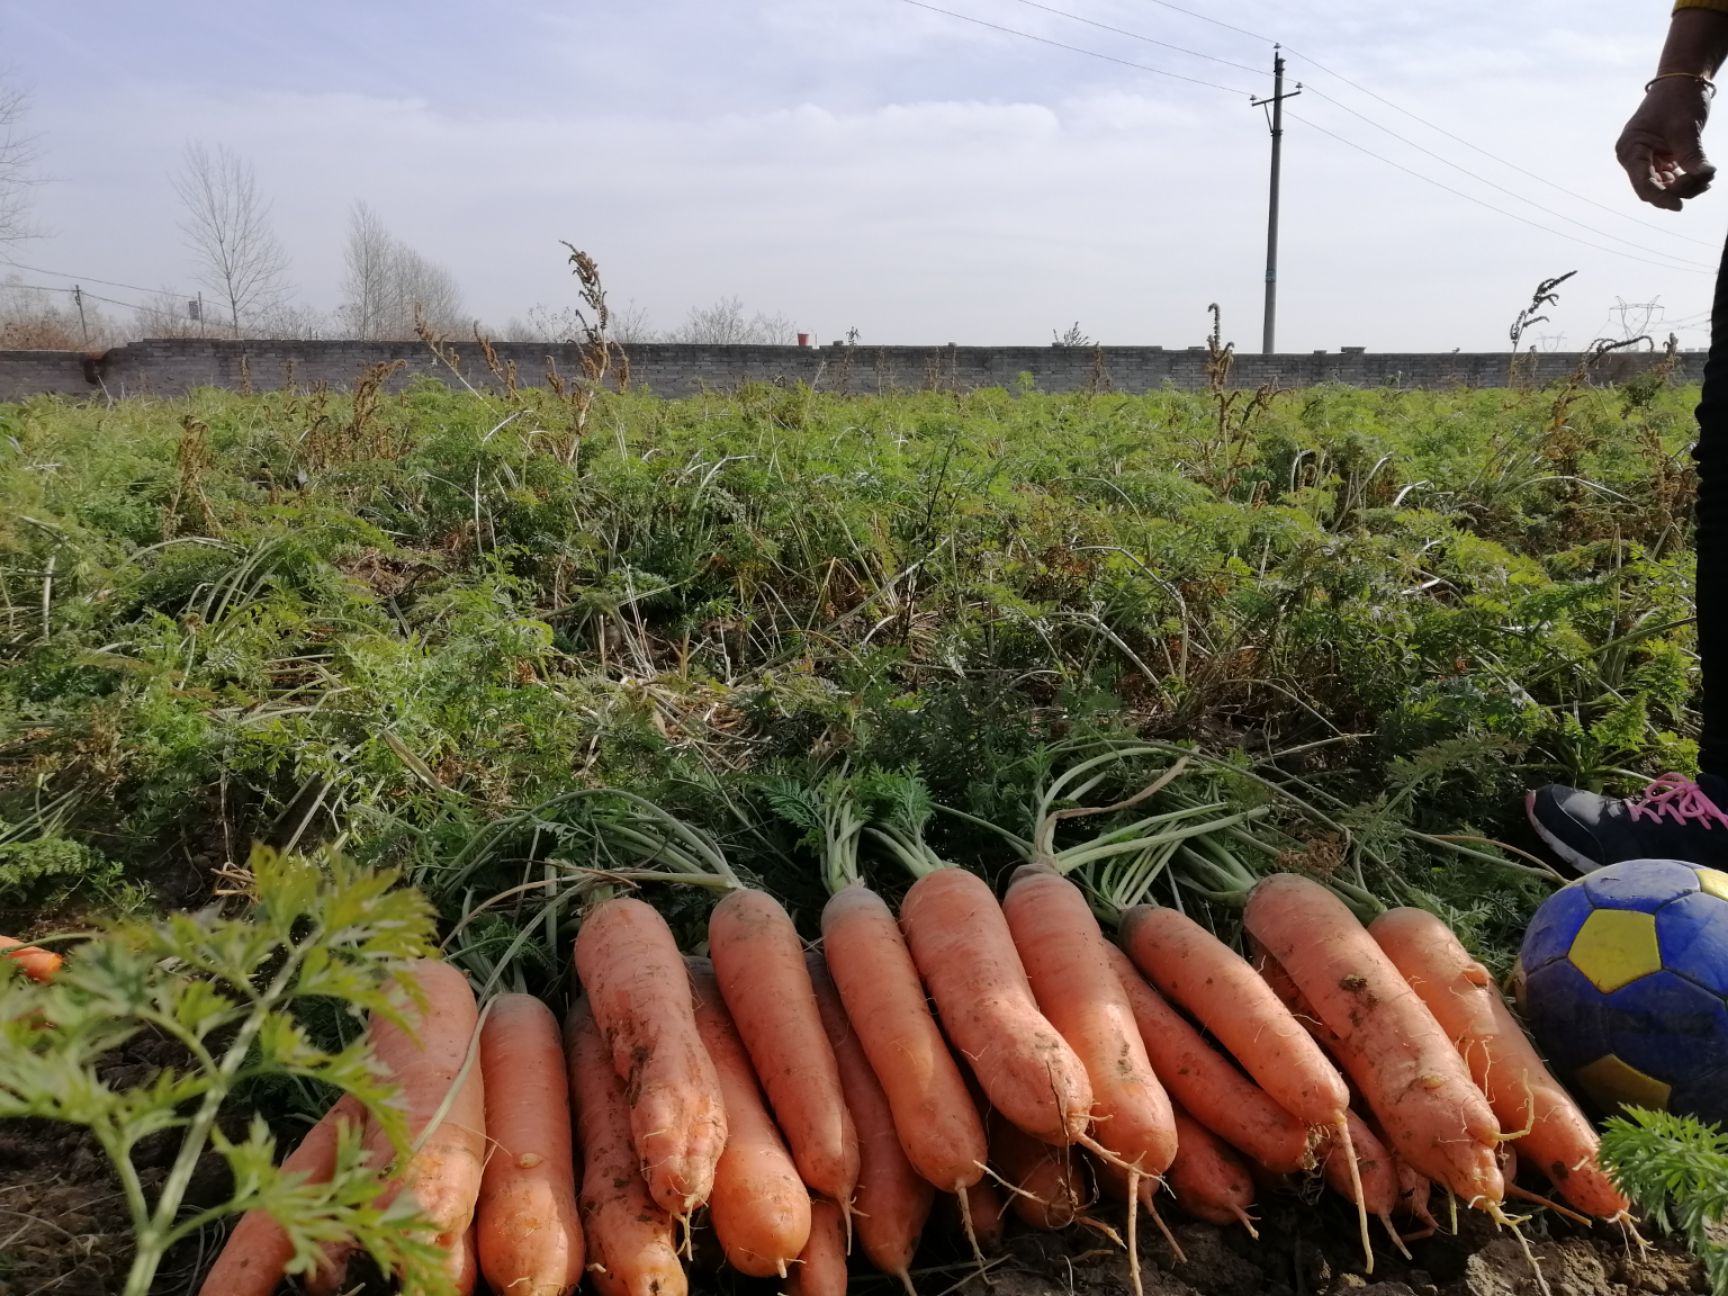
point(1275, 121)
point(78, 297)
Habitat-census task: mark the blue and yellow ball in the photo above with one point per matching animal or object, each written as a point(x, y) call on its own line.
point(1623, 980)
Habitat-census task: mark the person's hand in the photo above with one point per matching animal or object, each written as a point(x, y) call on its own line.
point(1662, 146)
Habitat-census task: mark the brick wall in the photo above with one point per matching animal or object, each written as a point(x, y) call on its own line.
point(173, 367)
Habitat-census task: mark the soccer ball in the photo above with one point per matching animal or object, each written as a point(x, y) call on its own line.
point(1623, 979)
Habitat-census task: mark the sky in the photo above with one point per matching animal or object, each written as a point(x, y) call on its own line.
point(878, 166)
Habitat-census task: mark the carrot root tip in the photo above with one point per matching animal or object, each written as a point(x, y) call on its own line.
point(1134, 1233)
point(1397, 1238)
point(1163, 1228)
point(1343, 1129)
point(971, 1230)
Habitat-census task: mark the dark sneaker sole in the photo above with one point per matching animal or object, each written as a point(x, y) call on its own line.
point(1578, 861)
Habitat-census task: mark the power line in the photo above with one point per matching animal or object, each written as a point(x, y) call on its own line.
point(1493, 157)
point(1468, 197)
point(1076, 49)
point(1439, 157)
point(1433, 126)
point(1122, 31)
point(106, 283)
point(75, 292)
point(1511, 193)
point(1218, 22)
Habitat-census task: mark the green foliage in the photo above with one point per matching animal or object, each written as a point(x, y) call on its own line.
point(225, 993)
point(45, 870)
point(1675, 1170)
point(416, 636)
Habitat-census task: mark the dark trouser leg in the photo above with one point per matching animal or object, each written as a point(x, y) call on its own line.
point(1711, 455)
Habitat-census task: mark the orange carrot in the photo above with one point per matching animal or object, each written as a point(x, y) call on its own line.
point(1064, 953)
point(629, 964)
point(462, 1263)
point(1049, 1192)
point(1215, 984)
point(528, 1237)
point(1409, 1074)
point(878, 982)
point(257, 1252)
point(965, 954)
point(1522, 1091)
point(1413, 1192)
point(1208, 1085)
point(821, 1270)
point(1209, 1180)
point(629, 1236)
point(893, 1201)
point(760, 1208)
point(759, 963)
point(429, 1059)
point(32, 960)
point(427, 1062)
point(1376, 1172)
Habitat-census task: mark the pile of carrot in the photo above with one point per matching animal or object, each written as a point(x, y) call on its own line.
point(968, 1059)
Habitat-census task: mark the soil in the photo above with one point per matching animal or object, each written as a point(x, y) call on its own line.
point(64, 1227)
point(1313, 1251)
point(63, 1232)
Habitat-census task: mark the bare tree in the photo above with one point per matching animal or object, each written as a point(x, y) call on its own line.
point(227, 226)
point(725, 324)
point(626, 324)
point(386, 282)
point(366, 261)
point(630, 324)
point(17, 156)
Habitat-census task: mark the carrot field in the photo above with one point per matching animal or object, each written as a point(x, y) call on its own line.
point(485, 660)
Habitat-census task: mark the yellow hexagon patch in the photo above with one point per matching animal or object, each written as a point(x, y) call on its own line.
point(1713, 882)
point(1610, 1082)
point(1614, 947)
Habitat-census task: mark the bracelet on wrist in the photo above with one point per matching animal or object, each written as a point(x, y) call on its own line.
point(1699, 77)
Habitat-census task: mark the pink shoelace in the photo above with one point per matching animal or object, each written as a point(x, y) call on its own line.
point(1676, 797)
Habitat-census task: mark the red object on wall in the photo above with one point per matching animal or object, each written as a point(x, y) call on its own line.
point(804, 339)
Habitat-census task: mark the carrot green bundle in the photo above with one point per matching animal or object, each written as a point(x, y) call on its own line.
point(760, 1208)
point(527, 1235)
point(893, 1200)
point(873, 971)
point(628, 962)
point(628, 1235)
point(759, 965)
point(1409, 1074)
point(967, 960)
point(1523, 1093)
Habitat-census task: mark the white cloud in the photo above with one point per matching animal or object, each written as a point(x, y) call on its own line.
point(864, 162)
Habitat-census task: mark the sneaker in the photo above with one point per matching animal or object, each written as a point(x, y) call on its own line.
point(1673, 818)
